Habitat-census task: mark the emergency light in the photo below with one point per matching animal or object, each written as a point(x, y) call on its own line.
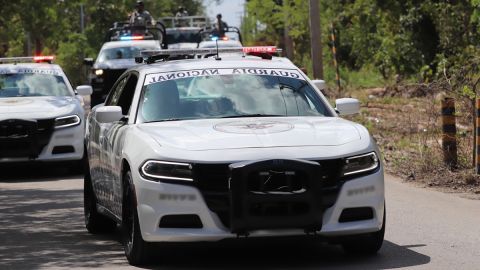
point(43, 58)
point(28, 59)
point(131, 38)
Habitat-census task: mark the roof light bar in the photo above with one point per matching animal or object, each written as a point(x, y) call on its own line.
point(28, 59)
point(132, 38)
point(43, 58)
point(174, 52)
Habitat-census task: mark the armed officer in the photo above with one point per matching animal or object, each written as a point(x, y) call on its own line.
point(141, 17)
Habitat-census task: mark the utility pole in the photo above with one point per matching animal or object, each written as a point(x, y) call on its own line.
point(316, 40)
point(82, 19)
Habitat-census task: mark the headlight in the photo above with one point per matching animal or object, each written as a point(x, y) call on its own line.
point(99, 72)
point(67, 121)
point(158, 170)
point(360, 164)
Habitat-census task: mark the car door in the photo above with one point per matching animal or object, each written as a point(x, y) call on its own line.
point(114, 140)
point(103, 180)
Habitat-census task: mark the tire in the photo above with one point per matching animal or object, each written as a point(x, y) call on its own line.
point(94, 221)
point(365, 244)
point(136, 249)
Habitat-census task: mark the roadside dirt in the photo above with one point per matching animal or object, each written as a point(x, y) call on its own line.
point(406, 123)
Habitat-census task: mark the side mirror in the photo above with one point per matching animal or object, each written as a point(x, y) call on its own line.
point(108, 114)
point(320, 84)
point(88, 61)
point(347, 106)
point(84, 90)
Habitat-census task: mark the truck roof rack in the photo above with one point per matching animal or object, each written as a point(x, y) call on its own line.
point(123, 30)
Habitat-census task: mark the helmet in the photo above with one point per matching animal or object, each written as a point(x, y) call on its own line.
point(139, 3)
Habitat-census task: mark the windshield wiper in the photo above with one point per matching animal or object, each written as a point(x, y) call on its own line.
point(252, 115)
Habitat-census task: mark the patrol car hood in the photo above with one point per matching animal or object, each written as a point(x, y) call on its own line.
point(183, 45)
point(198, 135)
point(36, 107)
point(116, 64)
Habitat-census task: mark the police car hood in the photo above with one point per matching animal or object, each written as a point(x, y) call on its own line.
point(116, 64)
point(36, 107)
point(234, 133)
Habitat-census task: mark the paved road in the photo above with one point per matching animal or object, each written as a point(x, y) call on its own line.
point(41, 227)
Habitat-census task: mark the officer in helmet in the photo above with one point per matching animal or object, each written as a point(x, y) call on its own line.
point(181, 12)
point(141, 17)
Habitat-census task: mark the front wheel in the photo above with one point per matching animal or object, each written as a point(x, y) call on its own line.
point(366, 244)
point(136, 249)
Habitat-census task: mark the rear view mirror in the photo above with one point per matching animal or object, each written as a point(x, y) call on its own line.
point(108, 114)
point(320, 84)
point(88, 61)
point(84, 90)
point(347, 106)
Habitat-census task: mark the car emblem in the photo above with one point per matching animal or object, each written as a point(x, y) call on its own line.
point(253, 127)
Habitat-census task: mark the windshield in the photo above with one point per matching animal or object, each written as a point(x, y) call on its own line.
point(123, 52)
point(183, 36)
point(225, 93)
point(31, 85)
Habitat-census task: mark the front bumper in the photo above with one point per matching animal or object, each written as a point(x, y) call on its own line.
point(156, 200)
point(64, 145)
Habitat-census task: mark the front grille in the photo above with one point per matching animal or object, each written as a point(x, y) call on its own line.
point(212, 181)
point(24, 138)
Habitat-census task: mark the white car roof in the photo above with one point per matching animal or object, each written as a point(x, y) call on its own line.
point(132, 43)
point(228, 61)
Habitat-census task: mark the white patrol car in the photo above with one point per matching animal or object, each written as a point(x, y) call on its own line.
point(41, 117)
point(226, 147)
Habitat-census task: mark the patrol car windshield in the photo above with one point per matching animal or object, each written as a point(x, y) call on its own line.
point(31, 85)
point(228, 93)
point(123, 52)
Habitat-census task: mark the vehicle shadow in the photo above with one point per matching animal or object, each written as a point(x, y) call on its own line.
point(37, 172)
point(44, 228)
point(282, 254)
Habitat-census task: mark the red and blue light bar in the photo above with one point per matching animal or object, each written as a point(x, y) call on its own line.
point(29, 59)
point(125, 38)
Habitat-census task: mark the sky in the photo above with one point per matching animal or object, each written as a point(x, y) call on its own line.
point(231, 10)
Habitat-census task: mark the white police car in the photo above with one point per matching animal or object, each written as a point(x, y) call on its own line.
point(41, 117)
point(225, 147)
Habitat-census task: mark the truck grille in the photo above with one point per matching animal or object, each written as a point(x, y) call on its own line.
point(212, 181)
point(24, 138)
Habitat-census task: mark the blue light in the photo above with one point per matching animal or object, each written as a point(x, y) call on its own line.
point(214, 38)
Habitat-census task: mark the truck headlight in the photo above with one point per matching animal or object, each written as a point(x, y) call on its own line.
point(360, 164)
point(99, 72)
point(158, 170)
point(67, 121)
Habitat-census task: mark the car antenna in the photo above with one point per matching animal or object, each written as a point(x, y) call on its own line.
point(216, 43)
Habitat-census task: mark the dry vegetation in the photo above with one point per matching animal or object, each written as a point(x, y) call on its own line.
point(406, 122)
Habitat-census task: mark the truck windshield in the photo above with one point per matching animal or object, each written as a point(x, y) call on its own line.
point(32, 84)
point(225, 93)
point(183, 36)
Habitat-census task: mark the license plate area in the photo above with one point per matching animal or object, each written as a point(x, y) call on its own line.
point(275, 194)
